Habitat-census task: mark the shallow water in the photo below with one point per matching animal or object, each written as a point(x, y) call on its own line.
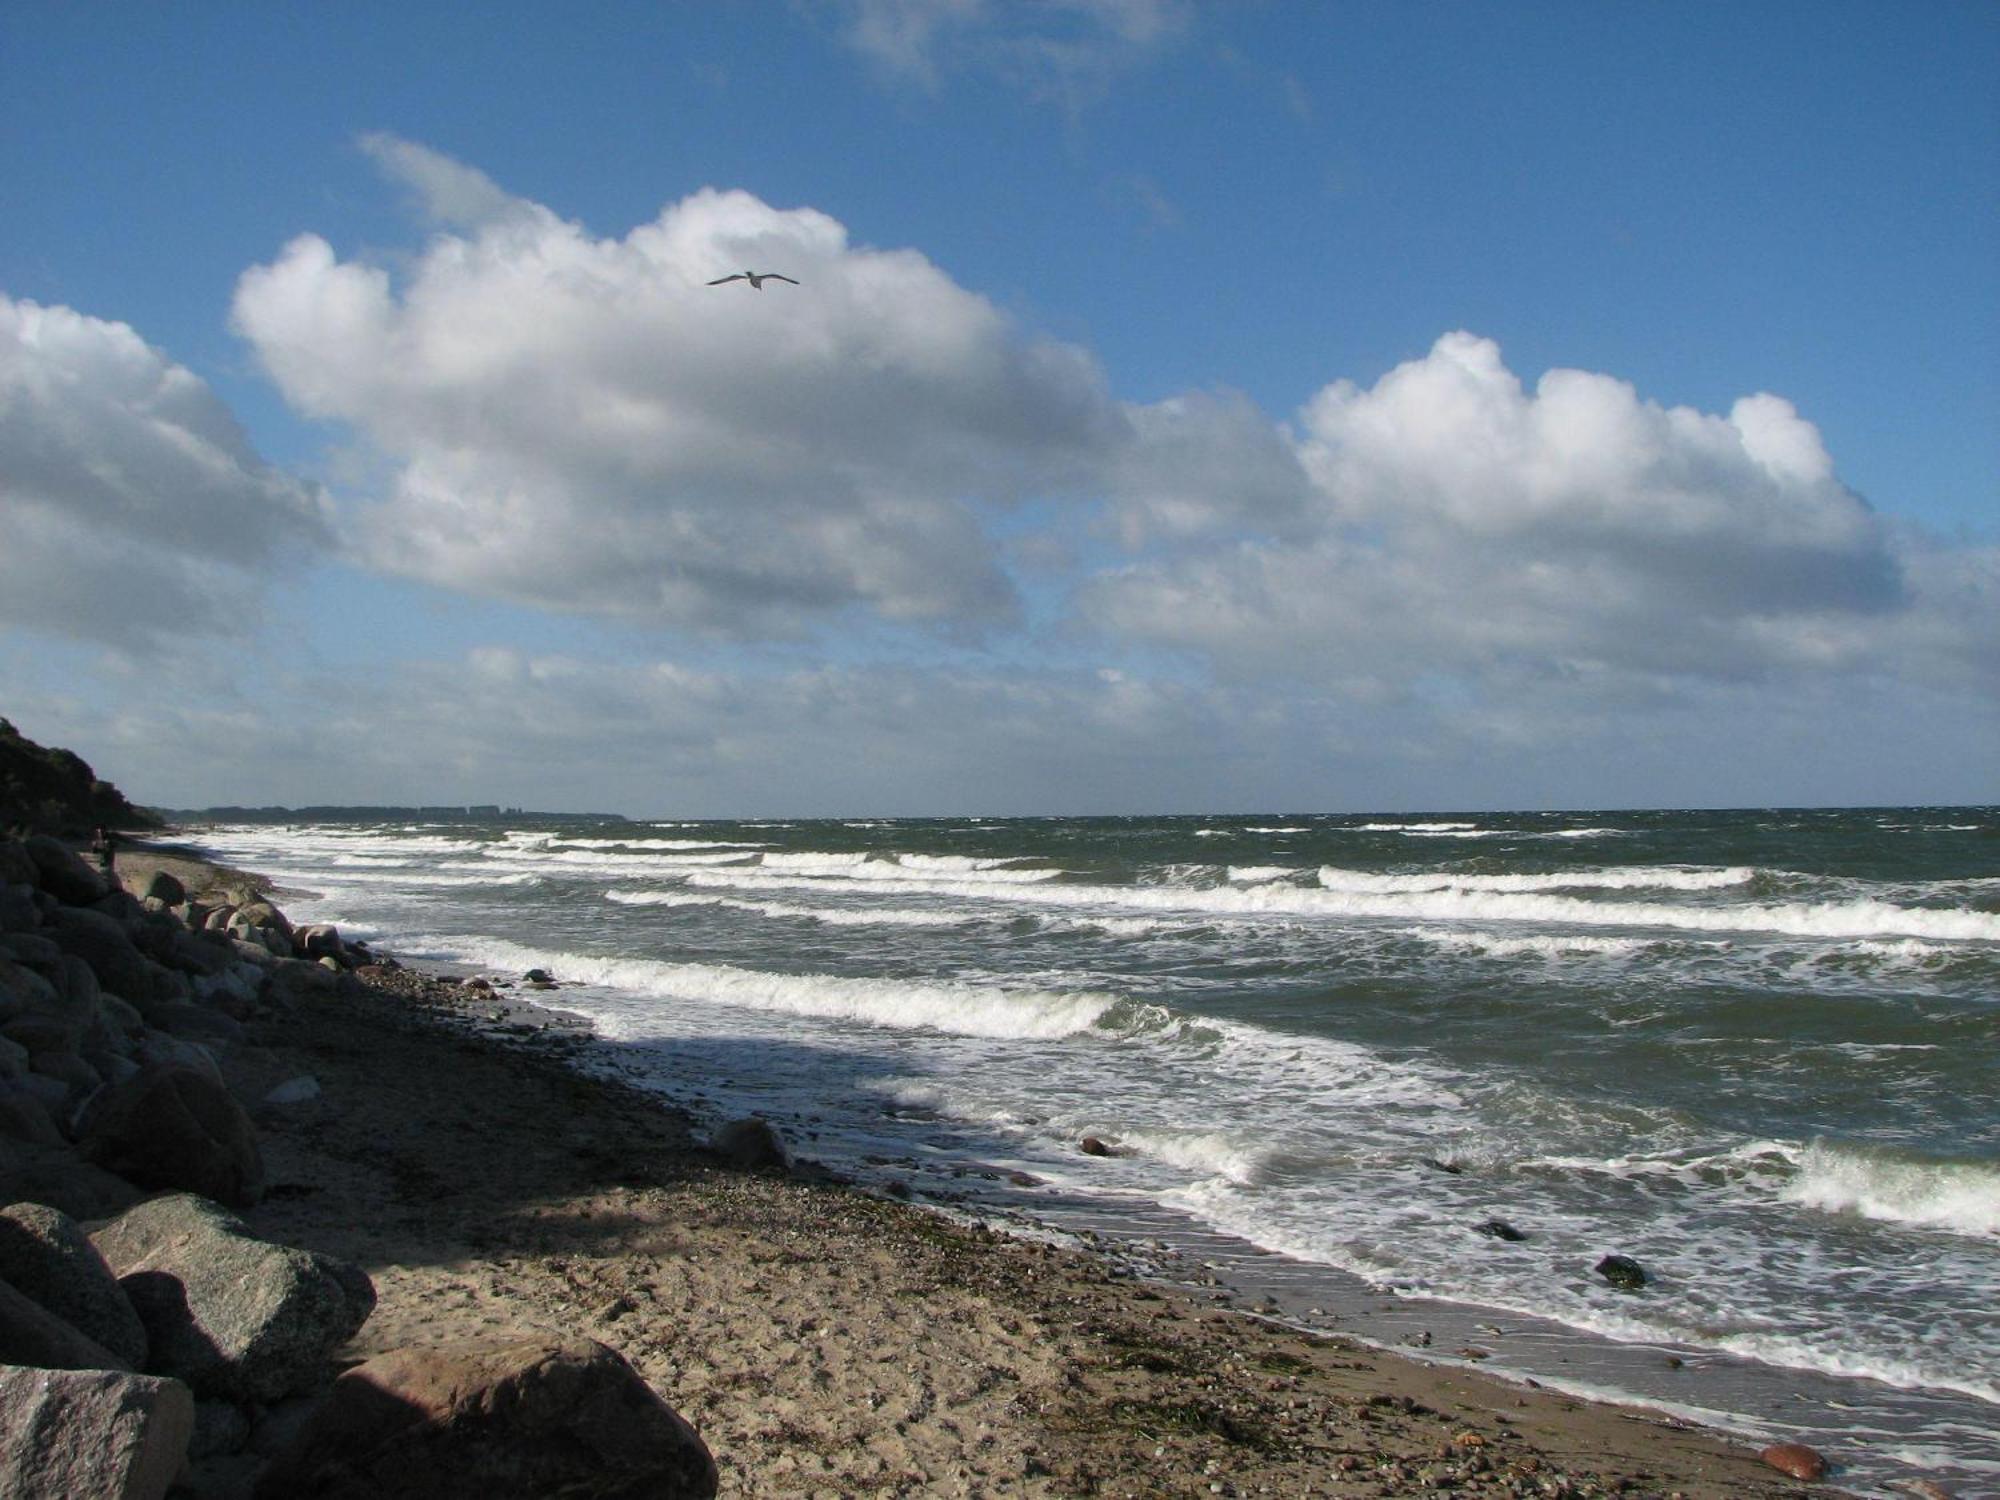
point(1759, 1052)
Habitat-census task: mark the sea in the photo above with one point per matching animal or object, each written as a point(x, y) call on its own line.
point(1405, 1078)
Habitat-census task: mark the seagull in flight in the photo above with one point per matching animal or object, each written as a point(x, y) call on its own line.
point(755, 278)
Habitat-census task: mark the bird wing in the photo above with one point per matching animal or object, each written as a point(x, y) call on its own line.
point(774, 276)
point(739, 276)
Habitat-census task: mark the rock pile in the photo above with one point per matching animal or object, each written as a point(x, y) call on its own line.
point(142, 1335)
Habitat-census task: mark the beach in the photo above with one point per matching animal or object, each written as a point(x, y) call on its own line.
point(829, 1341)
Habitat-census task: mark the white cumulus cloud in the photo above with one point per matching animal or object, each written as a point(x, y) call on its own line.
point(586, 424)
point(1465, 527)
point(132, 508)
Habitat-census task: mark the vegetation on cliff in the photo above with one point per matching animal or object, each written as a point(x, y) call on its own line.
point(55, 791)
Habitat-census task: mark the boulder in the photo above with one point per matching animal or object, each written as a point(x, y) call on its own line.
point(165, 887)
point(17, 866)
point(1499, 1229)
point(231, 1315)
point(1090, 1145)
point(62, 872)
point(23, 990)
point(103, 943)
point(35, 951)
point(1622, 1272)
point(13, 1059)
point(18, 911)
point(1795, 1459)
point(120, 906)
point(262, 914)
point(51, 1171)
point(78, 1078)
point(196, 1023)
point(45, 1256)
point(467, 1421)
point(32, 1335)
point(172, 1126)
point(751, 1143)
point(71, 1433)
point(321, 940)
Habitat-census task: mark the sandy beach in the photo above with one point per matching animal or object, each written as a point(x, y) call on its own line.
point(827, 1342)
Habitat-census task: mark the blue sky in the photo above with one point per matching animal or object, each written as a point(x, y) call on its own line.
point(1165, 420)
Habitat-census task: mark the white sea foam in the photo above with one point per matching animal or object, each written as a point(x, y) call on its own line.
point(1963, 1197)
point(1843, 919)
point(960, 1009)
point(574, 843)
point(1635, 877)
point(1257, 874)
point(1546, 945)
point(832, 916)
point(1413, 827)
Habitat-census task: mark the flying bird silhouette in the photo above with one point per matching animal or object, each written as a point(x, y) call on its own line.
point(755, 278)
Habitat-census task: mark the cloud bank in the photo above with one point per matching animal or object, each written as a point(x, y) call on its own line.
point(1464, 526)
point(135, 510)
point(587, 425)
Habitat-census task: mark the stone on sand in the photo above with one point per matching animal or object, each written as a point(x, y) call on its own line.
point(226, 1312)
point(65, 1434)
point(469, 1420)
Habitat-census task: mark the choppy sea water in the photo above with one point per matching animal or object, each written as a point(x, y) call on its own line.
point(1758, 1052)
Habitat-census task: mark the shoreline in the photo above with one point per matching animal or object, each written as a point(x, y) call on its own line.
point(826, 1340)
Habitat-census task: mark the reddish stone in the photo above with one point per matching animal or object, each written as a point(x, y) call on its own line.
point(1795, 1459)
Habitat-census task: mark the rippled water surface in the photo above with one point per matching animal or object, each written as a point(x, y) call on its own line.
point(1759, 1052)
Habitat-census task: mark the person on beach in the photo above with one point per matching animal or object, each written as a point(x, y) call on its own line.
point(105, 844)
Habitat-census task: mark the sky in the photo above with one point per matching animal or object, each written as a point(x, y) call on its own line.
point(1177, 407)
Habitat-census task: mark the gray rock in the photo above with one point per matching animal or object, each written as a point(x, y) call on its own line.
point(170, 1126)
point(196, 1023)
point(468, 1421)
point(751, 1143)
point(121, 906)
point(298, 1090)
point(18, 911)
point(61, 871)
point(69, 1434)
point(25, 1114)
point(32, 1335)
point(321, 940)
point(105, 945)
point(55, 1173)
point(219, 1427)
point(1622, 1272)
point(33, 950)
point(224, 1311)
point(165, 887)
point(13, 1059)
point(71, 1071)
point(17, 866)
point(23, 990)
point(46, 1257)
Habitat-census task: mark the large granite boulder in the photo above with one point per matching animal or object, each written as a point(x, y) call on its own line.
point(47, 1257)
point(472, 1420)
point(24, 1114)
point(40, 1170)
point(65, 1434)
point(32, 1335)
point(17, 866)
point(171, 1125)
point(224, 1311)
point(23, 990)
point(165, 887)
point(62, 872)
point(103, 943)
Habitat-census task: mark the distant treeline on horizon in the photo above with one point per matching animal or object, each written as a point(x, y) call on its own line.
point(473, 813)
